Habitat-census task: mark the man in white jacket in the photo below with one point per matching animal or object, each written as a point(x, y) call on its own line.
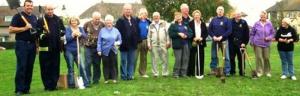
point(158, 43)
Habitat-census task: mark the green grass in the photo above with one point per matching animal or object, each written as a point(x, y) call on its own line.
point(209, 86)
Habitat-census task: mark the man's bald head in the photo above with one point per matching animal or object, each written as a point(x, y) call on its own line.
point(49, 10)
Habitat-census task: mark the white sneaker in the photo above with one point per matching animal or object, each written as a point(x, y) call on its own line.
point(269, 75)
point(105, 82)
point(293, 78)
point(114, 81)
point(259, 75)
point(283, 77)
point(145, 76)
point(200, 77)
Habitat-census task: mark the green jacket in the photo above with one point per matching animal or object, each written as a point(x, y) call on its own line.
point(177, 41)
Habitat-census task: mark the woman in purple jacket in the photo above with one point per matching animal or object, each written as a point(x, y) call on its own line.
point(261, 36)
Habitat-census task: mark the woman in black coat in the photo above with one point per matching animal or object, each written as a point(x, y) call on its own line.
point(198, 44)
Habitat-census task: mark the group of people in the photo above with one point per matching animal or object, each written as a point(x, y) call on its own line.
point(134, 36)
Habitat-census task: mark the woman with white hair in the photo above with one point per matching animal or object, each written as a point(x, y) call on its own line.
point(109, 40)
point(142, 49)
point(196, 61)
point(261, 37)
point(286, 36)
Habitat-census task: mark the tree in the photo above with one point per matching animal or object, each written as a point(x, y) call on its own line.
point(167, 7)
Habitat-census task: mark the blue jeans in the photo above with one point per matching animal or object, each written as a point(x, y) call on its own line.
point(92, 59)
point(71, 57)
point(287, 62)
point(25, 53)
point(127, 64)
point(214, 59)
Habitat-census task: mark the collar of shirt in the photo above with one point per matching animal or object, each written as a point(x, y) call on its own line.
point(197, 29)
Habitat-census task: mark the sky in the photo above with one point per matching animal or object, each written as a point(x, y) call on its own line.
point(76, 7)
point(73, 7)
point(252, 8)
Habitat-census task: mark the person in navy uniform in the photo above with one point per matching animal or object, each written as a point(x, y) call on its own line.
point(50, 29)
point(238, 39)
point(25, 47)
point(219, 29)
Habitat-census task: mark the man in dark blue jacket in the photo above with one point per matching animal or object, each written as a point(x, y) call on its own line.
point(25, 46)
point(127, 25)
point(51, 28)
point(219, 29)
point(237, 40)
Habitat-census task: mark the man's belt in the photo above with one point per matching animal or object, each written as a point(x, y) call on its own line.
point(43, 49)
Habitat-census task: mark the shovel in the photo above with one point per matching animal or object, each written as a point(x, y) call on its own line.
point(220, 69)
point(198, 63)
point(79, 78)
point(253, 72)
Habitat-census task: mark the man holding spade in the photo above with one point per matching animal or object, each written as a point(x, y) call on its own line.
point(50, 29)
point(237, 41)
point(22, 24)
point(219, 29)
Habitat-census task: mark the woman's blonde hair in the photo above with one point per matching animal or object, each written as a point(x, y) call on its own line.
point(177, 16)
point(286, 20)
point(74, 18)
point(196, 11)
point(143, 11)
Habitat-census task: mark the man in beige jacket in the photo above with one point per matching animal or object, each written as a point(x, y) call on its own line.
point(158, 43)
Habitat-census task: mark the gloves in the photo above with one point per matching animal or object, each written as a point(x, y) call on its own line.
point(117, 44)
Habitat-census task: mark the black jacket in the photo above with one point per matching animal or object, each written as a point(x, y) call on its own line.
point(286, 33)
point(240, 33)
point(129, 33)
point(204, 32)
point(56, 30)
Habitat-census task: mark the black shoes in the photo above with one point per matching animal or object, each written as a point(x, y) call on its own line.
point(20, 93)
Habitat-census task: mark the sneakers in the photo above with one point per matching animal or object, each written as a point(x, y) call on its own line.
point(293, 78)
point(145, 76)
point(199, 77)
point(114, 81)
point(259, 74)
point(283, 77)
point(105, 82)
point(269, 75)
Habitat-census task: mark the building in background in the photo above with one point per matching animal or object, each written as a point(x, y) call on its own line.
point(114, 9)
point(286, 9)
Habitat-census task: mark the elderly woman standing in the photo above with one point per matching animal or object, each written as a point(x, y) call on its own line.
point(180, 34)
point(199, 43)
point(74, 33)
point(261, 37)
point(109, 40)
point(158, 42)
point(142, 49)
point(286, 36)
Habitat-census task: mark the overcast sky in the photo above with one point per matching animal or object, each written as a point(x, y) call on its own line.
point(76, 7)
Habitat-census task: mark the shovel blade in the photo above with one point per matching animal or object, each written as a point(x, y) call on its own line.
point(80, 83)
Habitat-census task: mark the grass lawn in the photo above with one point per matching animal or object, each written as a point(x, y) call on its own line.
point(165, 86)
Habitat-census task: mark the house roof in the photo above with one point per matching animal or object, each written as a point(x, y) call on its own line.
point(114, 9)
point(285, 5)
point(6, 11)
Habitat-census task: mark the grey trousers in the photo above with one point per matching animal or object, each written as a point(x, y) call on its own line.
point(181, 61)
point(262, 55)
